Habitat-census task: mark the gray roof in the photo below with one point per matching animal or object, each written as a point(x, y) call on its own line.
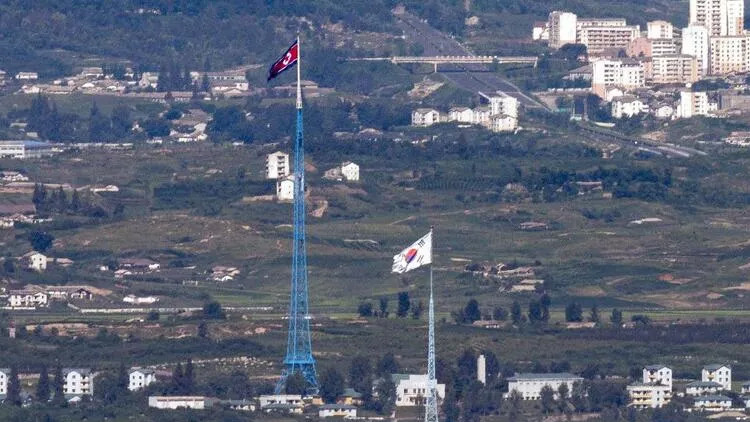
point(713, 397)
point(337, 406)
point(544, 376)
point(715, 366)
point(399, 377)
point(82, 371)
point(5, 370)
point(142, 370)
point(27, 144)
point(656, 367)
point(350, 392)
point(704, 384)
point(744, 384)
point(282, 406)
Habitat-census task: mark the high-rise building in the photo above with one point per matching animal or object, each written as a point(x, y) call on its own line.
point(720, 17)
point(729, 54)
point(659, 30)
point(598, 39)
point(626, 74)
point(674, 69)
point(562, 28)
point(695, 43)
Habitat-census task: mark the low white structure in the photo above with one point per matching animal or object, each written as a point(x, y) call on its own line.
point(4, 374)
point(719, 373)
point(423, 117)
point(27, 76)
point(350, 171)
point(411, 389)
point(693, 104)
point(504, 104)
point(37, 262)
point(285, 399)
point(277, 165)
point(140, 300)
point(701, 388)
point(658, 374)
point(503, 123)
point(24, 149)
point(285, 189)
point(345, 411)
point(712, 403)
point(27, 298)
point(628, 106)
point(482, 369)
point(648, 395)
point(78, 382)
point(746, 388)
point(180, 402)
point(140, 378)
point(530, 385)
point(460, 115)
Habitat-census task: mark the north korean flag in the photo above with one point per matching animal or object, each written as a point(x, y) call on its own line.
point(286, 61)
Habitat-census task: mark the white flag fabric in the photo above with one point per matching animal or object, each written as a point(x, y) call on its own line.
point(416, 255)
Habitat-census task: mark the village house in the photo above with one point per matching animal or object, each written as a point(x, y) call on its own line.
point(25, 149)
point(701, 388)
point(530, 385)
point(345, 411)
point(222, 273)
point(149, 80)
point(180, 402)
point(282, 403)
point(78, 382)
point(27, 298)
point(92, 72)
point(423, 117)
point(712, 403)
point(27, 76)
point(503, 123)
point(140, 378)
point(648, 395)
point(657, 374)
point(460, 115)
point(37, 262)
point(628, 106)
point(69, 292)
point(245, 405)
point(347, 171)
point(285, 188)
point(138, 264)
point(411, 389)
point(13, 176)
point(277, 165)
point(719, 373)
point(350, 396)
point(746, 388)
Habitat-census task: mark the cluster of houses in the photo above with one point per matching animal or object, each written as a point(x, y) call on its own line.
point(77, 383)
point(277, 168)
point(501, 115)
point(656, 389)
point(33, 296)
point(515, 279)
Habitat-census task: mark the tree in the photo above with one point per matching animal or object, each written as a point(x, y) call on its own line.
point(121, 121)
point(491, 364)
point(123, 379)
point(39, 197)
point(58, 387)
point(296, 383)
point(360, 373)
point(387, 365)
point(384, 307)
point(75, 202)
point(205, 84)
point(365, 309)
point(594, 316)
point(417, 310)
point(403, 304)
point(213, 310)
point(386, 390)
point(41, 241)
point(547, 397)
point(515, 401)
point(545, 301)
point(515, 313)
point(536, 313)
point(8, 266)
point(467, 365)
point(499, 313)
point(99, 125)
point(562, 396)
point(14, 387)
point(178, 376)
point(616, 317)
point(61, 201)
point(202, 330)
point(573, 312)
point(42, 387)
point(472, 312)
point(331, 385)
point(189, 378)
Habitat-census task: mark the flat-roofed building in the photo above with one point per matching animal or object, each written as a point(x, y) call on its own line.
point(674, 69)
point(659, 30)
point(24, 149)
point(599, 39)
point(530, 385)
point(562, 28)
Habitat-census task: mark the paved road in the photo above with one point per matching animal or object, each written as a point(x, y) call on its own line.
point(472, 77)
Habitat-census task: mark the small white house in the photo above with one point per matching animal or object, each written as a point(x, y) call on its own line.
point(4, 374)
point(180, 402)
point(503, 123)
point(530, 385)
point(701, 388)
point(482, 115)
point(648, 395)
point(350, 171)
point(718, 373)
point(411, 390)
point(746, 388)
point(277, 165)
point(27, 76)
point(423, 117)
point(78, 382)
point(664, 112)
point(37, 262)
point(27, 298)
point(657, 374)
point(712, 403)
point(140, 378)
point(460, 115)
point(140, 300)
point(345, 411)
point(285, 189)
point(628, 106)
point(285, 399)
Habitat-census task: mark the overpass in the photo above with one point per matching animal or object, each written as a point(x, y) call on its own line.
point(465, 59)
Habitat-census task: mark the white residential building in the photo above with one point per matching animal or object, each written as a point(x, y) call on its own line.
point(27, 298)
point(140, 378)
point(712, 403)
point(504, 104)
point(345, 411)
point(626, 74)
point(37, 262)
point(423, 117)
point(695, 43)
point(503, 123)
point(628, 106)
point(658, 374)
point(24, 149)
point(540, 31)
point(284, 399)
point(721, 17)
point(735, 17)
point(27, 76)
point(718, 373)
point(729, 54)
point(649, 395)
point(599, 39)
point(701, 388)
point(746, 388)
point(285, 188)
point(149, 80)
point(562, 28)
point(78, 382)
point(530, 385)
point(461, 115)
point(411, 390)
point(693, 104)
point(659, 30)
point(350, 171)
point(482, 115)
point(4, 374)
point(674, 69)
point(277, 165)
point(180, 402)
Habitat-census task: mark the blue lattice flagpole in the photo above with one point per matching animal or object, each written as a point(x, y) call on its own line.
point(299, 350)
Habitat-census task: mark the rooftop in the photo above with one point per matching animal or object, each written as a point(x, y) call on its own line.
point(713, 397)
point(715, 366)
point(704, 384)
point(337, 406)
point(544, 376)
point(656, 367)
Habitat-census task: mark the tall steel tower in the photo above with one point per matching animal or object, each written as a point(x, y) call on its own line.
point(299, 356)
point(431, 409)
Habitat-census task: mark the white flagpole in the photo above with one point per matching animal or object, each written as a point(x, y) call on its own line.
point(299, 74)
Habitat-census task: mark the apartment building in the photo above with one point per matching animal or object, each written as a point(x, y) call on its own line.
point(695, 43)
point(626, 74)
point(659, 30)
point(598, 39)
point(728, 54)
point(277, 165)
point(693, 104)
point(530, 386)
point(78, 382)
point(657, 374)
point(674, 69)
point(648, 395)
point(718, 373)
point(720, 17)
point(562, 28)
point(651, 47)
